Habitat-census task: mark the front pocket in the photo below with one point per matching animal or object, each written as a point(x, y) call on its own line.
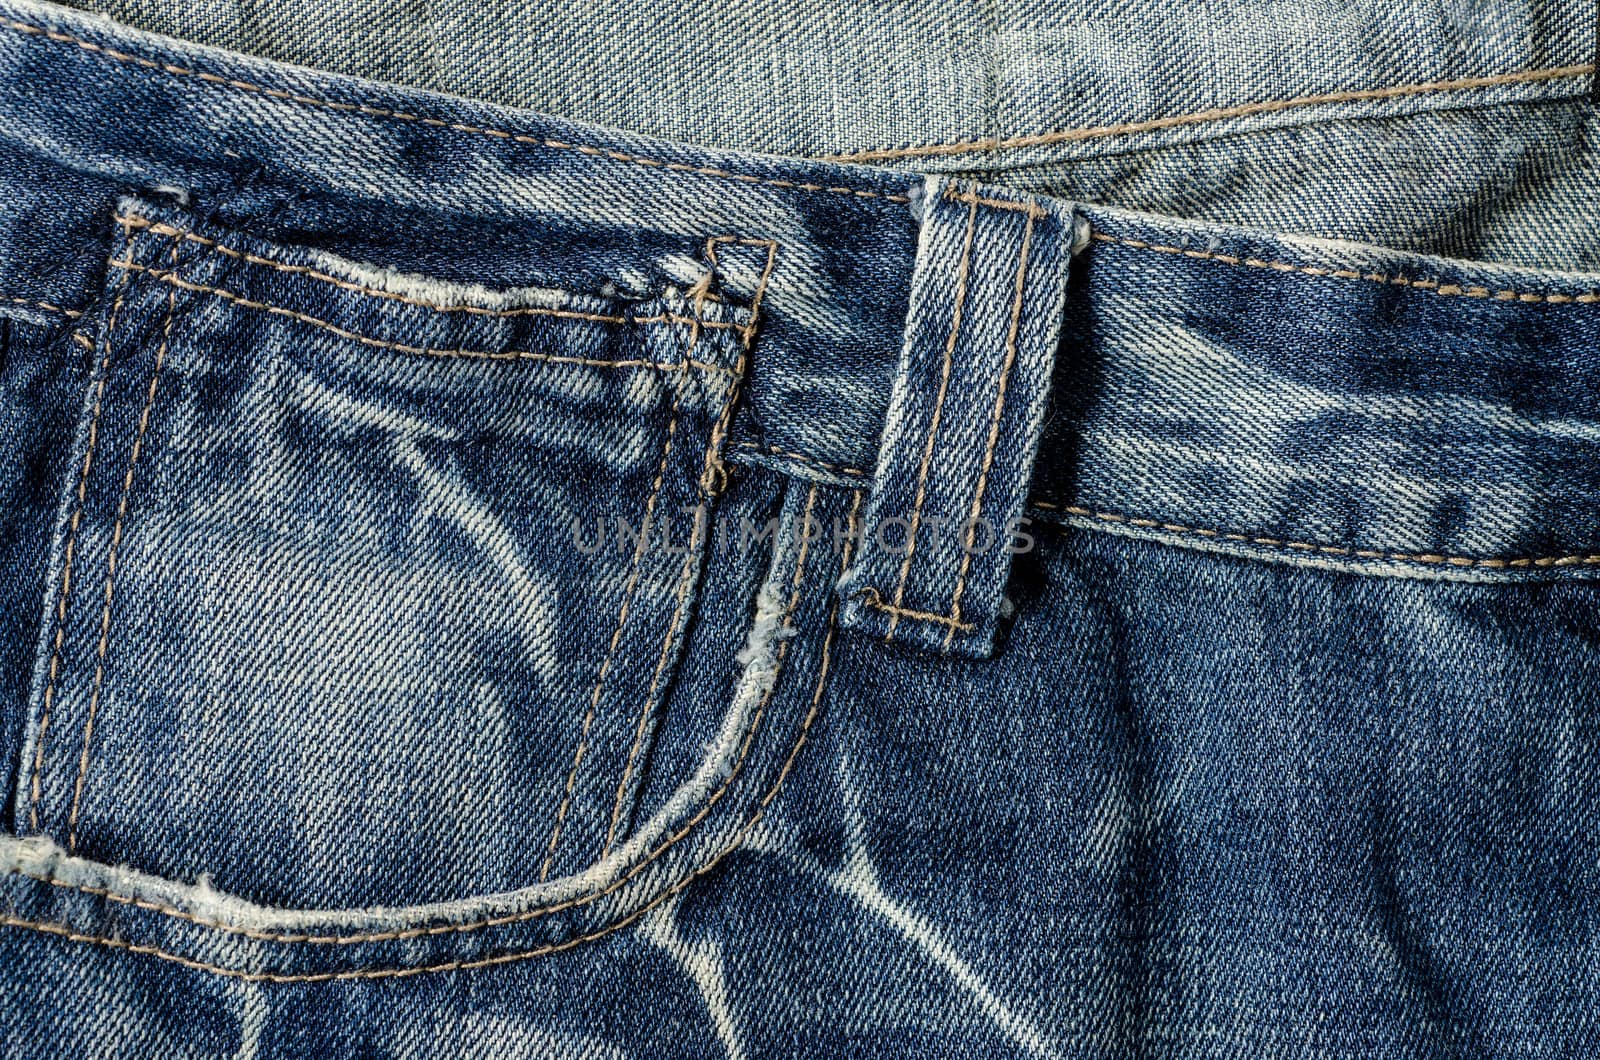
point(350, 602)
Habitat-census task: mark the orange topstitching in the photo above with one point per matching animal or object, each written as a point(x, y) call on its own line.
point(1241, 110)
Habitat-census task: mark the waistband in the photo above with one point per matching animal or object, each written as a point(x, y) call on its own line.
point(1249, 393)
point(946, 84)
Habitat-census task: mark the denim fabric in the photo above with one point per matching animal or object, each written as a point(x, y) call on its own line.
point(944, 85)
point(946, 499)
point(439, 547)
point(1515, 184)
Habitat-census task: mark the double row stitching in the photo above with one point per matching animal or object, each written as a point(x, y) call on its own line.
point(616, 634)
point(1241, 110)
point(460, 127)
point(70, 548)
point(871, 597)
point(1431, 286)
point(963, 271)
point(712, 476)
point(1034, 212)
point(509, 918)
point(1432, 558)
point(994, 428)
point(680, 598)
point(737, 841)
point(136, 221)
point(111, 559)
point(168, 277)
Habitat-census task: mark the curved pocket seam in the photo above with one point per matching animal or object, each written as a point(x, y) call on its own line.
point(718, 434)
point(711, 478)
point(133, 226)
point(628, 592)
point(738, 840)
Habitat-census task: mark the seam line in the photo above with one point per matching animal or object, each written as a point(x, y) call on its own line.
point(995, 416)
point(801, 458)
point(70, 549)
point(962, 275)
point(737, 841)
point(111, 559)
point(168, 277)
point(680, 598)
point(712, 477)
point(1432, 558)
point(1034, 212)
point(616, 633)
point(70, 314)
point(1430, 286)
point(1241, 110)
point(509, 918)
point(137, 221)
point(460, 127)
point(872, 599)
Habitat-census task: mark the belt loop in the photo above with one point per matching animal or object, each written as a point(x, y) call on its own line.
point(957, 453)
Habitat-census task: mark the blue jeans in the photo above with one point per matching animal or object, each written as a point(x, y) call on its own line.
point(478, 584)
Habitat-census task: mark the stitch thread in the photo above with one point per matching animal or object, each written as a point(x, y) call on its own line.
point(71, 314)
point(136, 221)
point(167, 277)
point(1241, 110)
point(712, 476)
point(681, 596)
point(398, 115)
point(802, 459)
point(963, 270)
point(739, 837)
point(512, 918)
point(70, 551)
point(111, 560)
point(616, 634)
point(1431, 286)
point(871, 598)
point(661, 663)
point(633, 580)
point(1432, 558)
point(1033, 212)
point(994, 425)
point(715, 476)
point(747, 333)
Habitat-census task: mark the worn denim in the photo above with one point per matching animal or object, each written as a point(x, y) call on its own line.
point(476, 583)
point(940, 84)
